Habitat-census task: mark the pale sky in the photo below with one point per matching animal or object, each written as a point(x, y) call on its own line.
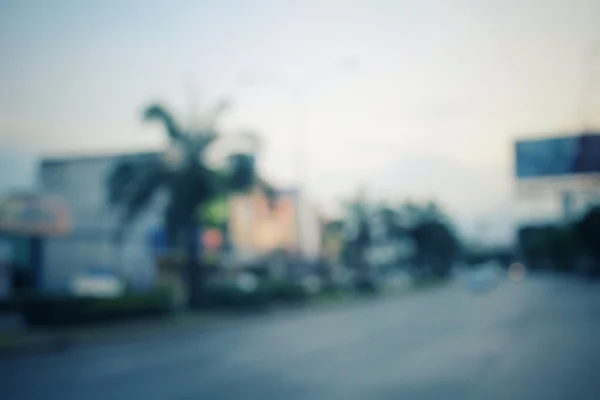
point(448, 82)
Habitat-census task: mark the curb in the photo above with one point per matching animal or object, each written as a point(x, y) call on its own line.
point(45, 346)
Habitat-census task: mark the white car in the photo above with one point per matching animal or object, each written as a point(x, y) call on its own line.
point(485, 277)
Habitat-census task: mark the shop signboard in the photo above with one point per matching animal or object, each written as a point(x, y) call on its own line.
point(34, 215)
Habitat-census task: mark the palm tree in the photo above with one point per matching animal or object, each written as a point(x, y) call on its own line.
point(188, 181)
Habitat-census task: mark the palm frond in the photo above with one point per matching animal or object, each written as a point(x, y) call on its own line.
point(143, 193)
point(206, 139)
point(198, 144)
point(131, 187)
point(243, 172)
point(269, 191)
point(193, 186)
point(189, 190)
point(120, 181)
point(157, 112)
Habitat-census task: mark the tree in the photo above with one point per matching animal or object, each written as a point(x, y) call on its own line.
point(561, 247)
point(437, 244)
point(188, 181)
point(588, 231)
point(425, 230)
point(394, 225)
point(358, 237)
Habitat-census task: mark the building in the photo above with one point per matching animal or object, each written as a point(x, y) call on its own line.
point(256, 225)
point(27, 222)
point(260, 225)
point(92, 244)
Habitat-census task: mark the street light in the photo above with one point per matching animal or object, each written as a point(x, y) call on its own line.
point(298, 91)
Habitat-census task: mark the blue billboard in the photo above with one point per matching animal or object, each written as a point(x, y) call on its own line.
point(554, 157)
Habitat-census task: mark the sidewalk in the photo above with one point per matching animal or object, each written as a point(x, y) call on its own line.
point(64, 339)
point(61, 339)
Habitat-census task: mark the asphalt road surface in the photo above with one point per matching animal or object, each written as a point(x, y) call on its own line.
point(539, 339)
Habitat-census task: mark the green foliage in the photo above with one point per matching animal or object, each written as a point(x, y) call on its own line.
point(392, 221)
point(564, 248)
point(9, 306)
point(411, 214)
point(227, 296)
point(132, 186)
point(48, 310)
point(334, 227)
point(367, 286)
point(231, 297)
point(160, 113)
point(133, 183)
point(587, 230)
point(284, 291)
point(243, 171)
point(187, 179)
point(356, 245)
point(437, 245)
point(558, 245)
point(215, 213)
point(429, 228)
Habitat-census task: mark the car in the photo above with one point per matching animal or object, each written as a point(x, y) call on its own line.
point(484, 277)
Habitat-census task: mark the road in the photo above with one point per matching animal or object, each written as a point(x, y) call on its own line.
point(539, 339)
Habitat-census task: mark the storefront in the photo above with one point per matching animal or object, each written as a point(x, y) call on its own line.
point(25, 221)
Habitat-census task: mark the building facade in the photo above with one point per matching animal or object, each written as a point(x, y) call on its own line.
point(259, 225)
point(92, 244)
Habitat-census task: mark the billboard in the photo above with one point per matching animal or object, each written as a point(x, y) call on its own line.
point(556, 157)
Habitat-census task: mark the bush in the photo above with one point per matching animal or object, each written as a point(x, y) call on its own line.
point(367, 286)
point(8, 306)
point(47, 310)
point(284, 291)
point(231, 297)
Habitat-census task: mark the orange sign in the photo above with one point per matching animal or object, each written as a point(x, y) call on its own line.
point(34, 215)
point(213, 239)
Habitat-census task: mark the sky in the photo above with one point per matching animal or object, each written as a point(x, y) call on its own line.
point(429, 107)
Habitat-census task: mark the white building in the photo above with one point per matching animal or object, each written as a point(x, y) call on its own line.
point(81, 182)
